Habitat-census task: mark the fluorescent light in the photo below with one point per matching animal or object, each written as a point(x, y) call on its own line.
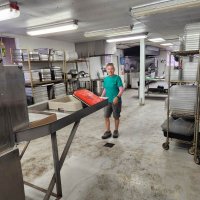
point(162, 6)
point(119, 34)
point(126, 38)
point(167, 44)
point(9, 11)
point(124, 30)
point(156, 40)
point(53, 28)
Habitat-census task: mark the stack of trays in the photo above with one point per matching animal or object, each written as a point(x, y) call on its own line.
point(44, 57)
point(190, 69)
point(35, 76)
point(183, 99)
point(17, 55)
point(56, 73)
point(25, 55)
point(174, 74)
point(45, 54)
point(44, 51)
point(45, 74)
point(58, 55)
point(34, 56)
point(40, 93)
point(20, 55)
point(192, 36)
point(59, 89)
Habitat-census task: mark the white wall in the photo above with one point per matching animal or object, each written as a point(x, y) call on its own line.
point(27, 42)
point(95, 67)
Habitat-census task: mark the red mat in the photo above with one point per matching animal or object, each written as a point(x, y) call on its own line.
point(87, 97)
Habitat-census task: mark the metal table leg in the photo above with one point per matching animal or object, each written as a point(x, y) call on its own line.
point(56, 164)
point(38, 188)
point(24, 150)
point(62, 159)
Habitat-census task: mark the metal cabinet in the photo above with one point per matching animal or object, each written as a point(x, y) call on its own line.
point(13, 106)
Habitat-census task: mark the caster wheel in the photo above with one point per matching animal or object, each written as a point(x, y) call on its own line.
point(197, 160)
point(165, 146)
point(191, 150)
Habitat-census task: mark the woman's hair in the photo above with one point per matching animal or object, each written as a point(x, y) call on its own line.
point(110, 64)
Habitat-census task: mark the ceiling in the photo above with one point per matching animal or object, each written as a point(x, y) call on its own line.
point(96, 15)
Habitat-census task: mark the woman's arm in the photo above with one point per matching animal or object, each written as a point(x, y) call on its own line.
point(116, 99)
point(103, 93)
point(121, 90)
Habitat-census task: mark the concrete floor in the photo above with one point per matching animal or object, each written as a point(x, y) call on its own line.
point(135, 168)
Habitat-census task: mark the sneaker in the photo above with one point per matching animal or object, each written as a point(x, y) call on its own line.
point(115, 134)
point(106, 135)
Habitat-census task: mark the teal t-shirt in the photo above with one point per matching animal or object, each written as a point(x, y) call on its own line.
point(111, 85)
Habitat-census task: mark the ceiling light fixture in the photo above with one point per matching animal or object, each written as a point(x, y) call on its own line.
point(162, 6)
point(126, 38)
point(53, 28)
point(124, 30)
point(167, 44)
point(156, 40)
point(9, 11)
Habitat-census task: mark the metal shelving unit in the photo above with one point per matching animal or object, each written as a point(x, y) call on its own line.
point(37, 83)
point(24, 57)
point(194, 150)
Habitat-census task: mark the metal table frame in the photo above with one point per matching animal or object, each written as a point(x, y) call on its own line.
point(50, 129)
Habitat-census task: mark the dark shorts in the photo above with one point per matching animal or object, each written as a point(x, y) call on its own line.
point(115, 109)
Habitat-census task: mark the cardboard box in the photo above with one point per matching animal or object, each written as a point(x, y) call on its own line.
point(50, 117)
point(66, 103)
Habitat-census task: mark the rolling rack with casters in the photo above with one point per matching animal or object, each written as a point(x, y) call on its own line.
point(183, 102)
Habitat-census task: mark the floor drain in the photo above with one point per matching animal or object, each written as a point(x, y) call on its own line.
point(110, 145)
